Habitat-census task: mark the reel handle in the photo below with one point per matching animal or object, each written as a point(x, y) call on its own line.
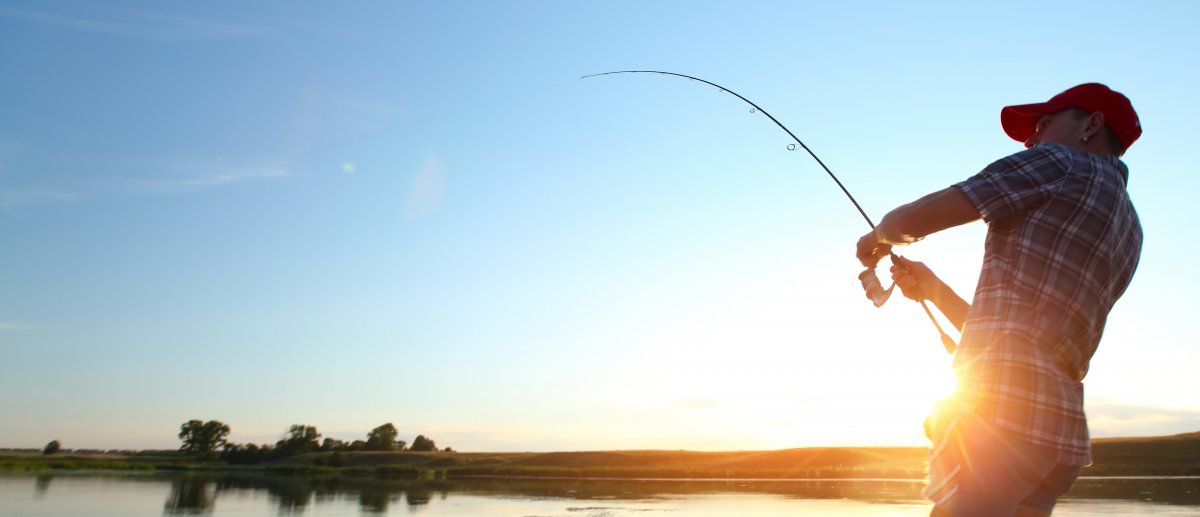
point(874, 290)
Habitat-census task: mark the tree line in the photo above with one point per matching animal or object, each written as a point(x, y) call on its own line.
point(208, 441)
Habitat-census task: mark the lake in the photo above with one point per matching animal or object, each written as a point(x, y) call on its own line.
point(54, 495)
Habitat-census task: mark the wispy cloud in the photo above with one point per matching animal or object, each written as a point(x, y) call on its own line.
point(27, 195)
point(137, 23)
point(13, 325)
point(16, 197)
point(194, 177)
point(163, 179)
point(1109, 417)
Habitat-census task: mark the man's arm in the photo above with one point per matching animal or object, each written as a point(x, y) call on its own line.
point(931, 214)
point(912, 222)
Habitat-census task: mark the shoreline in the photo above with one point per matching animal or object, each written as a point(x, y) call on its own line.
point(1135, 458)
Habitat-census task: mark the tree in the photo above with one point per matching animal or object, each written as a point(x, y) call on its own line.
point(52, 448)
point(300, 439)
point(382, 438)
point(421, 443)
point(202, 439)
point(333, 444)
point(246, 454)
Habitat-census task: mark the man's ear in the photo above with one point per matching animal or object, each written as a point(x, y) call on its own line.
point(1095, 124)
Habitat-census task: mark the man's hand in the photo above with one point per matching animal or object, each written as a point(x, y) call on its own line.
point(870, 250)
point(915, 279)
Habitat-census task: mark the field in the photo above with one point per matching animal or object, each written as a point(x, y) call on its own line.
point(1150, 456)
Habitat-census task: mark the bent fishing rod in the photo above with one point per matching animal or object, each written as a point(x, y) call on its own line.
point(870, 281)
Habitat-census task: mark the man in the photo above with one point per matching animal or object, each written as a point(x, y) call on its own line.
point(1063, 242)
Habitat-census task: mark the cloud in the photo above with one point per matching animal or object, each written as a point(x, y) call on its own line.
point(11, 197)
point(174, 178)
point(199, 177)
point(1110, 417)
point(13, 325)
point(14, 197)
point(137, 24)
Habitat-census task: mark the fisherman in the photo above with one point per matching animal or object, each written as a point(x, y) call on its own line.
point(1062, 244)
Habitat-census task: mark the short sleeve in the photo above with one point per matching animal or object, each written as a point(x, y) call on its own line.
point(1018, 183)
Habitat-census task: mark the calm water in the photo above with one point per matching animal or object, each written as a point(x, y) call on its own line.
point(146, 495)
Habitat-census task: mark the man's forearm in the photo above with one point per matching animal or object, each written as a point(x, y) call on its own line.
point(932, 213)
point(953, 306)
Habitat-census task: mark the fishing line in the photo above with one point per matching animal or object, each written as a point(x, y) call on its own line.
point(868, 278)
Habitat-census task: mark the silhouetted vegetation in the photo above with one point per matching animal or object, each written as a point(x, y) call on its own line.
point(51, 448)
point(302, 439)
point(202, 439)
point(423, 444)
point(383, 438)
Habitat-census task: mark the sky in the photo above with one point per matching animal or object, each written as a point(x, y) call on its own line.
point(343, 215)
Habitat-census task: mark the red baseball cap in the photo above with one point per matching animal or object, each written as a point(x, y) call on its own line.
point(1020, 122)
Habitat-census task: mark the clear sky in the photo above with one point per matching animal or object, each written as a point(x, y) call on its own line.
point(342, 215)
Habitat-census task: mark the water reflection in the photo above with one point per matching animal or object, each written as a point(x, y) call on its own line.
point(190, 496)
point(1176, 491)
point(417, 495)
point(41, 484)
point(198, 494)
point(375, 500)
point(265, 495)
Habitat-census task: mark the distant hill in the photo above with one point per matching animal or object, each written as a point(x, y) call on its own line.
point(1156, 455)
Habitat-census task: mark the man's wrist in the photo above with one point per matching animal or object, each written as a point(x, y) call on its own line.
point(881, 233)
point(940, 293)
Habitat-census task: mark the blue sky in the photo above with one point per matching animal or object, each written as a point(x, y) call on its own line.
point(418, 213)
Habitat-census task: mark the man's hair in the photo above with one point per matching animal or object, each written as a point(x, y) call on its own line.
point(1114, 143)
point(1110, 138)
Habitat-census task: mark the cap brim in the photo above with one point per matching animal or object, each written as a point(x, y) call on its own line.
point(1020, 122)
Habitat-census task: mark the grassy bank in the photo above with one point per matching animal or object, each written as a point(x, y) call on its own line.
point(34, 461)
point(1177, 455)
point(1151, 456)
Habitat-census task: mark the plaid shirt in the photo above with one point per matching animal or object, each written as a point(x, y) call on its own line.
point(1062, 244)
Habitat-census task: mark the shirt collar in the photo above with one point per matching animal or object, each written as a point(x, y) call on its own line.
point(1122, 169)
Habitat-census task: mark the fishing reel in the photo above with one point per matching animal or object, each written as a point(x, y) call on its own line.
point(875, 291)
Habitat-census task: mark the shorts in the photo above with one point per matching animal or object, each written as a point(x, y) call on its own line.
point(980, 470)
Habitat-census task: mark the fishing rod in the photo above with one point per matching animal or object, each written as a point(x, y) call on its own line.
point(868, 278)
